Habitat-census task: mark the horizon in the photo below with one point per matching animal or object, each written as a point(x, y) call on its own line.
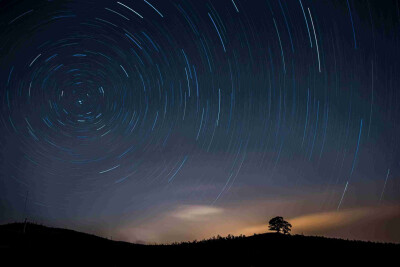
point(169, 121)
point(193, 241)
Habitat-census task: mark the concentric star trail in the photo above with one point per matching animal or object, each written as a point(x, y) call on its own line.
point(119, 111)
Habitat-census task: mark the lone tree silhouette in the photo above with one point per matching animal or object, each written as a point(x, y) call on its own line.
point(278, 224)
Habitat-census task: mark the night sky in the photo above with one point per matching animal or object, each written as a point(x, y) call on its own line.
point(161, 121)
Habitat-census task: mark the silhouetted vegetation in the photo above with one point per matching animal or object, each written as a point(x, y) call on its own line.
point(217, 238)
point(80, 249)
point(278, 224)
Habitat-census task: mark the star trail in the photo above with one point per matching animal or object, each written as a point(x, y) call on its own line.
point(116, 114)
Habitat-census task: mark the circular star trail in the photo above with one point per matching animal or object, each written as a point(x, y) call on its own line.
point(110, 109)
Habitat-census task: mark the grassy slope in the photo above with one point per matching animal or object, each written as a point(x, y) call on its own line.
point(42, 243)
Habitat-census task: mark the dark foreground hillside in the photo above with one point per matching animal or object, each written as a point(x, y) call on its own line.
point(41, 245)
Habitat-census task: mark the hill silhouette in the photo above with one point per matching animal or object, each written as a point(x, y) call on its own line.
point(47, 246)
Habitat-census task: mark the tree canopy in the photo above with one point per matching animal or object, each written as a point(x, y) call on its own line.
point(279, 225)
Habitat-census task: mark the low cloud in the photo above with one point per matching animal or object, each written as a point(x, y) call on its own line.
point(378, 223)
point(183, 223)
point(367, 223)
point(189, 222)
point(196, 213)
point(318, 222)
